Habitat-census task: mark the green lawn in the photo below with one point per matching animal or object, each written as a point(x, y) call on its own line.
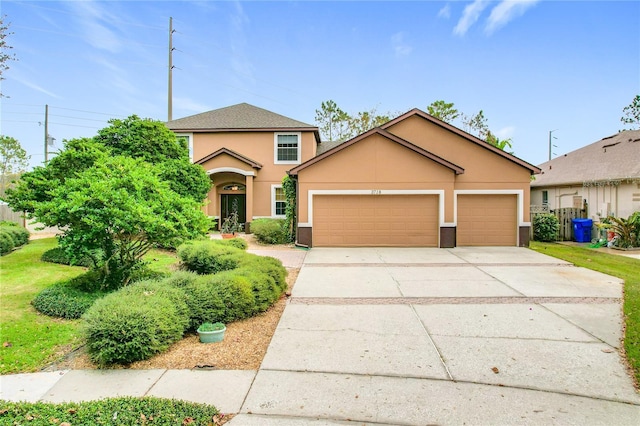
point(625, 268)
point(30, 340)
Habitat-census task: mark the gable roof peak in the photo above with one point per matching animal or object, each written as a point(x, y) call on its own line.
point(242, 116)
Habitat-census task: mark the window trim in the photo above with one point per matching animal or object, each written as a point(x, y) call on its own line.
point(274, 187)
point(189, 137)
point(275, 147)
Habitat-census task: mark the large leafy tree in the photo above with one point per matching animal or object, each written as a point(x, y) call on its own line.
point(631, 113)
point(117, 195)
point(13, 160)
point(337, 125)
point(443, 111)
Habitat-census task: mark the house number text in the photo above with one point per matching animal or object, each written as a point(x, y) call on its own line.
point(376, 191)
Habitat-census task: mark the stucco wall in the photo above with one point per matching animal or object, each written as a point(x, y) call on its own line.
point(257, 146)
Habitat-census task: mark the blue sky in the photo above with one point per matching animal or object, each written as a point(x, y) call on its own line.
point(531, 66)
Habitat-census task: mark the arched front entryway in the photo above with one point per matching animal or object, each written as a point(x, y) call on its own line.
point(231, 190)
point(233, 198)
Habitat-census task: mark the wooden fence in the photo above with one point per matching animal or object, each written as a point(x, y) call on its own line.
point(9, 215)
point(565, 217)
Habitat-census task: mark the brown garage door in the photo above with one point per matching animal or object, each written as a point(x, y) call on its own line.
point(487, 220)
point(375, 220)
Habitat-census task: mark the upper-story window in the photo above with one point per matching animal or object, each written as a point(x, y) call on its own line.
point(287, 148)
point(188, 140)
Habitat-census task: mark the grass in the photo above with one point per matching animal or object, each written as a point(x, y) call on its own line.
point(625, 268)
point(111, 411)
point(29, 339)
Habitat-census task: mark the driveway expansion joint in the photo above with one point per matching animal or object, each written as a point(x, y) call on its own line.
point(450, 300)
point(428, 265)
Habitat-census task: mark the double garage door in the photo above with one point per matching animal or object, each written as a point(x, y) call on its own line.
point(375, 220)
point(411, 220)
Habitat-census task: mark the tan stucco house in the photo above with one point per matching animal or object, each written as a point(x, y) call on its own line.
point(246, 151)
point(416, 181)
point(604, 174)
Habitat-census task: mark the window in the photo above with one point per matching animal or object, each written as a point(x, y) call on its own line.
point(287, 148)
point(187, 139)
point(279, 202)
point(545, 198)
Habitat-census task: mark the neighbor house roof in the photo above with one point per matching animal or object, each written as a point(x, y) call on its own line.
point(614, 158)
point(342, 145)
point(240, 117)
point(469, 137)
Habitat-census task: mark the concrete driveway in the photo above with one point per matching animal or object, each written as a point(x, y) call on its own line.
point(445, 336)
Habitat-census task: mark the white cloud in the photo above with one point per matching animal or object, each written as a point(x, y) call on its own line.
point(34, 86)
point(470, 16)
point(239, 60)
point(188, 104)
point(506, 11)
point(94, 21)
point(506, 132)
point(400, 47)
point(445, 12)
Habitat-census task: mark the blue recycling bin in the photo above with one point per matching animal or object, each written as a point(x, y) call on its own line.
point(582, 230)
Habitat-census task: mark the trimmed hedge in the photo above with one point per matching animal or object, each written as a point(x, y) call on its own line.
point(233, 242)
point(135, 322)
point(143, 319)
point(12, 236)
point(224, 297)
point(270, 231)
point(209, 257)
point(110, 411)
point(59, 255)
point(6, 243)
point(68, 299)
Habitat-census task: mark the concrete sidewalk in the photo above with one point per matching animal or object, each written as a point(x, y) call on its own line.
point(411, 337)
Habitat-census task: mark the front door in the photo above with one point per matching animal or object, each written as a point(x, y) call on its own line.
point(229, 202)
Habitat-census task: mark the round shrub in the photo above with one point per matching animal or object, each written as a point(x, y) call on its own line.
point(545, 227)
point(19, 234)
point(181, 279)
point(145, 273)
point(135, 323)
point(239, 243)
point(58, 255)
point(270, 231)
point(6, 242)
point(65, 300)
point(209, 257)
point(224, 297)
point(265, 291)
point(268, 265)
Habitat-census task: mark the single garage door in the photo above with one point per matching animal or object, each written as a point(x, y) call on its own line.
point(487, 220)
point(375, 220)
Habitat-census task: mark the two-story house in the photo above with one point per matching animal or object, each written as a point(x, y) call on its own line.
point(246, 151)
point(415, 181)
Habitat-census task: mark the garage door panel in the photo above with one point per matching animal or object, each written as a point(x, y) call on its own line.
point(487, 220)
point(375, 220)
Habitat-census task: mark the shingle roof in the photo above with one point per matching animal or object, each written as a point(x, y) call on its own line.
point(237, 117)
point(614, 158)
point(327, 145)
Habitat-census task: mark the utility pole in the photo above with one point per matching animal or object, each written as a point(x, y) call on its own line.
point(550, 144)
point(46, 133)
point(170, 94)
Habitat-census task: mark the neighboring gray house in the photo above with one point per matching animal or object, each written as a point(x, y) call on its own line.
point(605, 174)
